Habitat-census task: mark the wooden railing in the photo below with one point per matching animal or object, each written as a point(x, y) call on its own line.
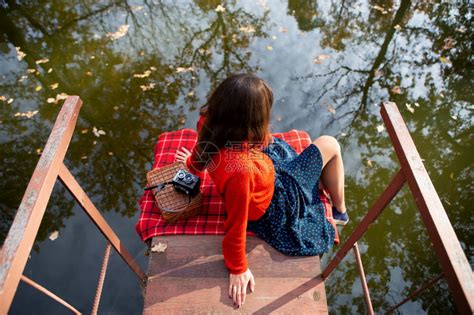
point(21, 236)
point(456, 268)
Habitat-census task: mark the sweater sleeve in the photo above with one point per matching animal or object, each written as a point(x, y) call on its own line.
point(236, 197)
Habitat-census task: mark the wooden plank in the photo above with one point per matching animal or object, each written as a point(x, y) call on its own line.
point(22, 233)
point(88, 206)
point(455, 265)
point(190, 277)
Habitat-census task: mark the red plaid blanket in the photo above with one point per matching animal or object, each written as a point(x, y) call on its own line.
point(211, 219)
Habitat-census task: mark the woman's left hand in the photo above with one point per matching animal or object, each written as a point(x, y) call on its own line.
point(238, 286)
point(182, 155)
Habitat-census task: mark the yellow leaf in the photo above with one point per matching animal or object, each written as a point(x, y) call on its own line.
point(38, 88)
point(121, 32)
point(247, 29)
point(50, 70)
point(269, 48)
point(84, 131)
point(320, 58)
point(3, 98)
point(54, 86)
point(380, 128)
point(159, 248)
point(54, 235)
point(51, 100)
point(445, 60)
point(219, 8)
point(44, 60)
point(19, 54)
point(143, 75)
point(331, 109)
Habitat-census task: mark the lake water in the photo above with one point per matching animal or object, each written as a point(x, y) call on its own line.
point(144, 67)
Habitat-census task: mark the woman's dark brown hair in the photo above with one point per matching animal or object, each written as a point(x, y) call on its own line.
point(238, 111)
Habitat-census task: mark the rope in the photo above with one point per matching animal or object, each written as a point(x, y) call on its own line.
point(100, 284)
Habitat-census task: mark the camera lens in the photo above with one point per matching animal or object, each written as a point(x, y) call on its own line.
point(181, 175)
point(188, 179)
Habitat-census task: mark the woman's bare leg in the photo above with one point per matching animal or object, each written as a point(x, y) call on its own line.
point(332, 174)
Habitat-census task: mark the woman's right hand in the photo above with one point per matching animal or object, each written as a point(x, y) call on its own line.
point(238, 286)
point(182, 155)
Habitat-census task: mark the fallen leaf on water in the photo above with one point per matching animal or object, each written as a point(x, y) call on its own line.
point(369, 163)
point(448, 43)
point(283, 30)
point(381, 9)
point(274, 37)
point(121, 32)
point(23, 78)
point(51, 100)
point(39, 151)
point(461, 29)
point(343, 134)
point(84, 157)
point(89, 73)
point(454, 117)
point(146, 87)
point(98, 132)
point(50, 70)
point(142, 75)
point(27, 114)
point(269, 48)
point(417, 105)
point(397, 27)
point(410, 108)
point(44, 60)
point(279, 118)
point(54, 86)
point(320, 58)
point(396, 90)
point(116, 108)
point(182, 69)
point(38, 88)
point(137, 8)
point(92, 57)
point(378, 73)
point(153, 68)
point(54, 235)
point(84, 131)
point(247, 29)
point(380, 128)
point(3, 98)
point(159, 248)
point(191, 93)
point(10, 100)
point(219, 8)
point(111, 153)
point(31, 70)
point(61, 96)
point(331, 109)
point(19, 54)
point(445, 60)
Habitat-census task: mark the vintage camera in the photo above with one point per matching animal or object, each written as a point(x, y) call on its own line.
point(186, 182)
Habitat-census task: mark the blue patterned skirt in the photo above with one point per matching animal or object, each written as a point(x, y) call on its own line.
point(295, 222)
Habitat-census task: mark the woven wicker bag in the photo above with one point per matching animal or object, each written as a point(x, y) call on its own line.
point(173, 205)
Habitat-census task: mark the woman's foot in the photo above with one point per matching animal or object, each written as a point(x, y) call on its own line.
point(340, 218)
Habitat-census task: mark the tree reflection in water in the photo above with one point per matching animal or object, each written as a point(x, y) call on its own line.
point(409, 52)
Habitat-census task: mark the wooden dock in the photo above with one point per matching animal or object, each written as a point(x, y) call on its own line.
point(190, 277)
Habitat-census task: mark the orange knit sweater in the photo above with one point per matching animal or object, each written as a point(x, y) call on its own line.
point(245, 180)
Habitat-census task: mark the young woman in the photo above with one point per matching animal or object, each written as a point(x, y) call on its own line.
point(266, 186)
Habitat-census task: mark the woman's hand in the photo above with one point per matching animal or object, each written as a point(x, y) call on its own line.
point(182, 155)
point(238, 286)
